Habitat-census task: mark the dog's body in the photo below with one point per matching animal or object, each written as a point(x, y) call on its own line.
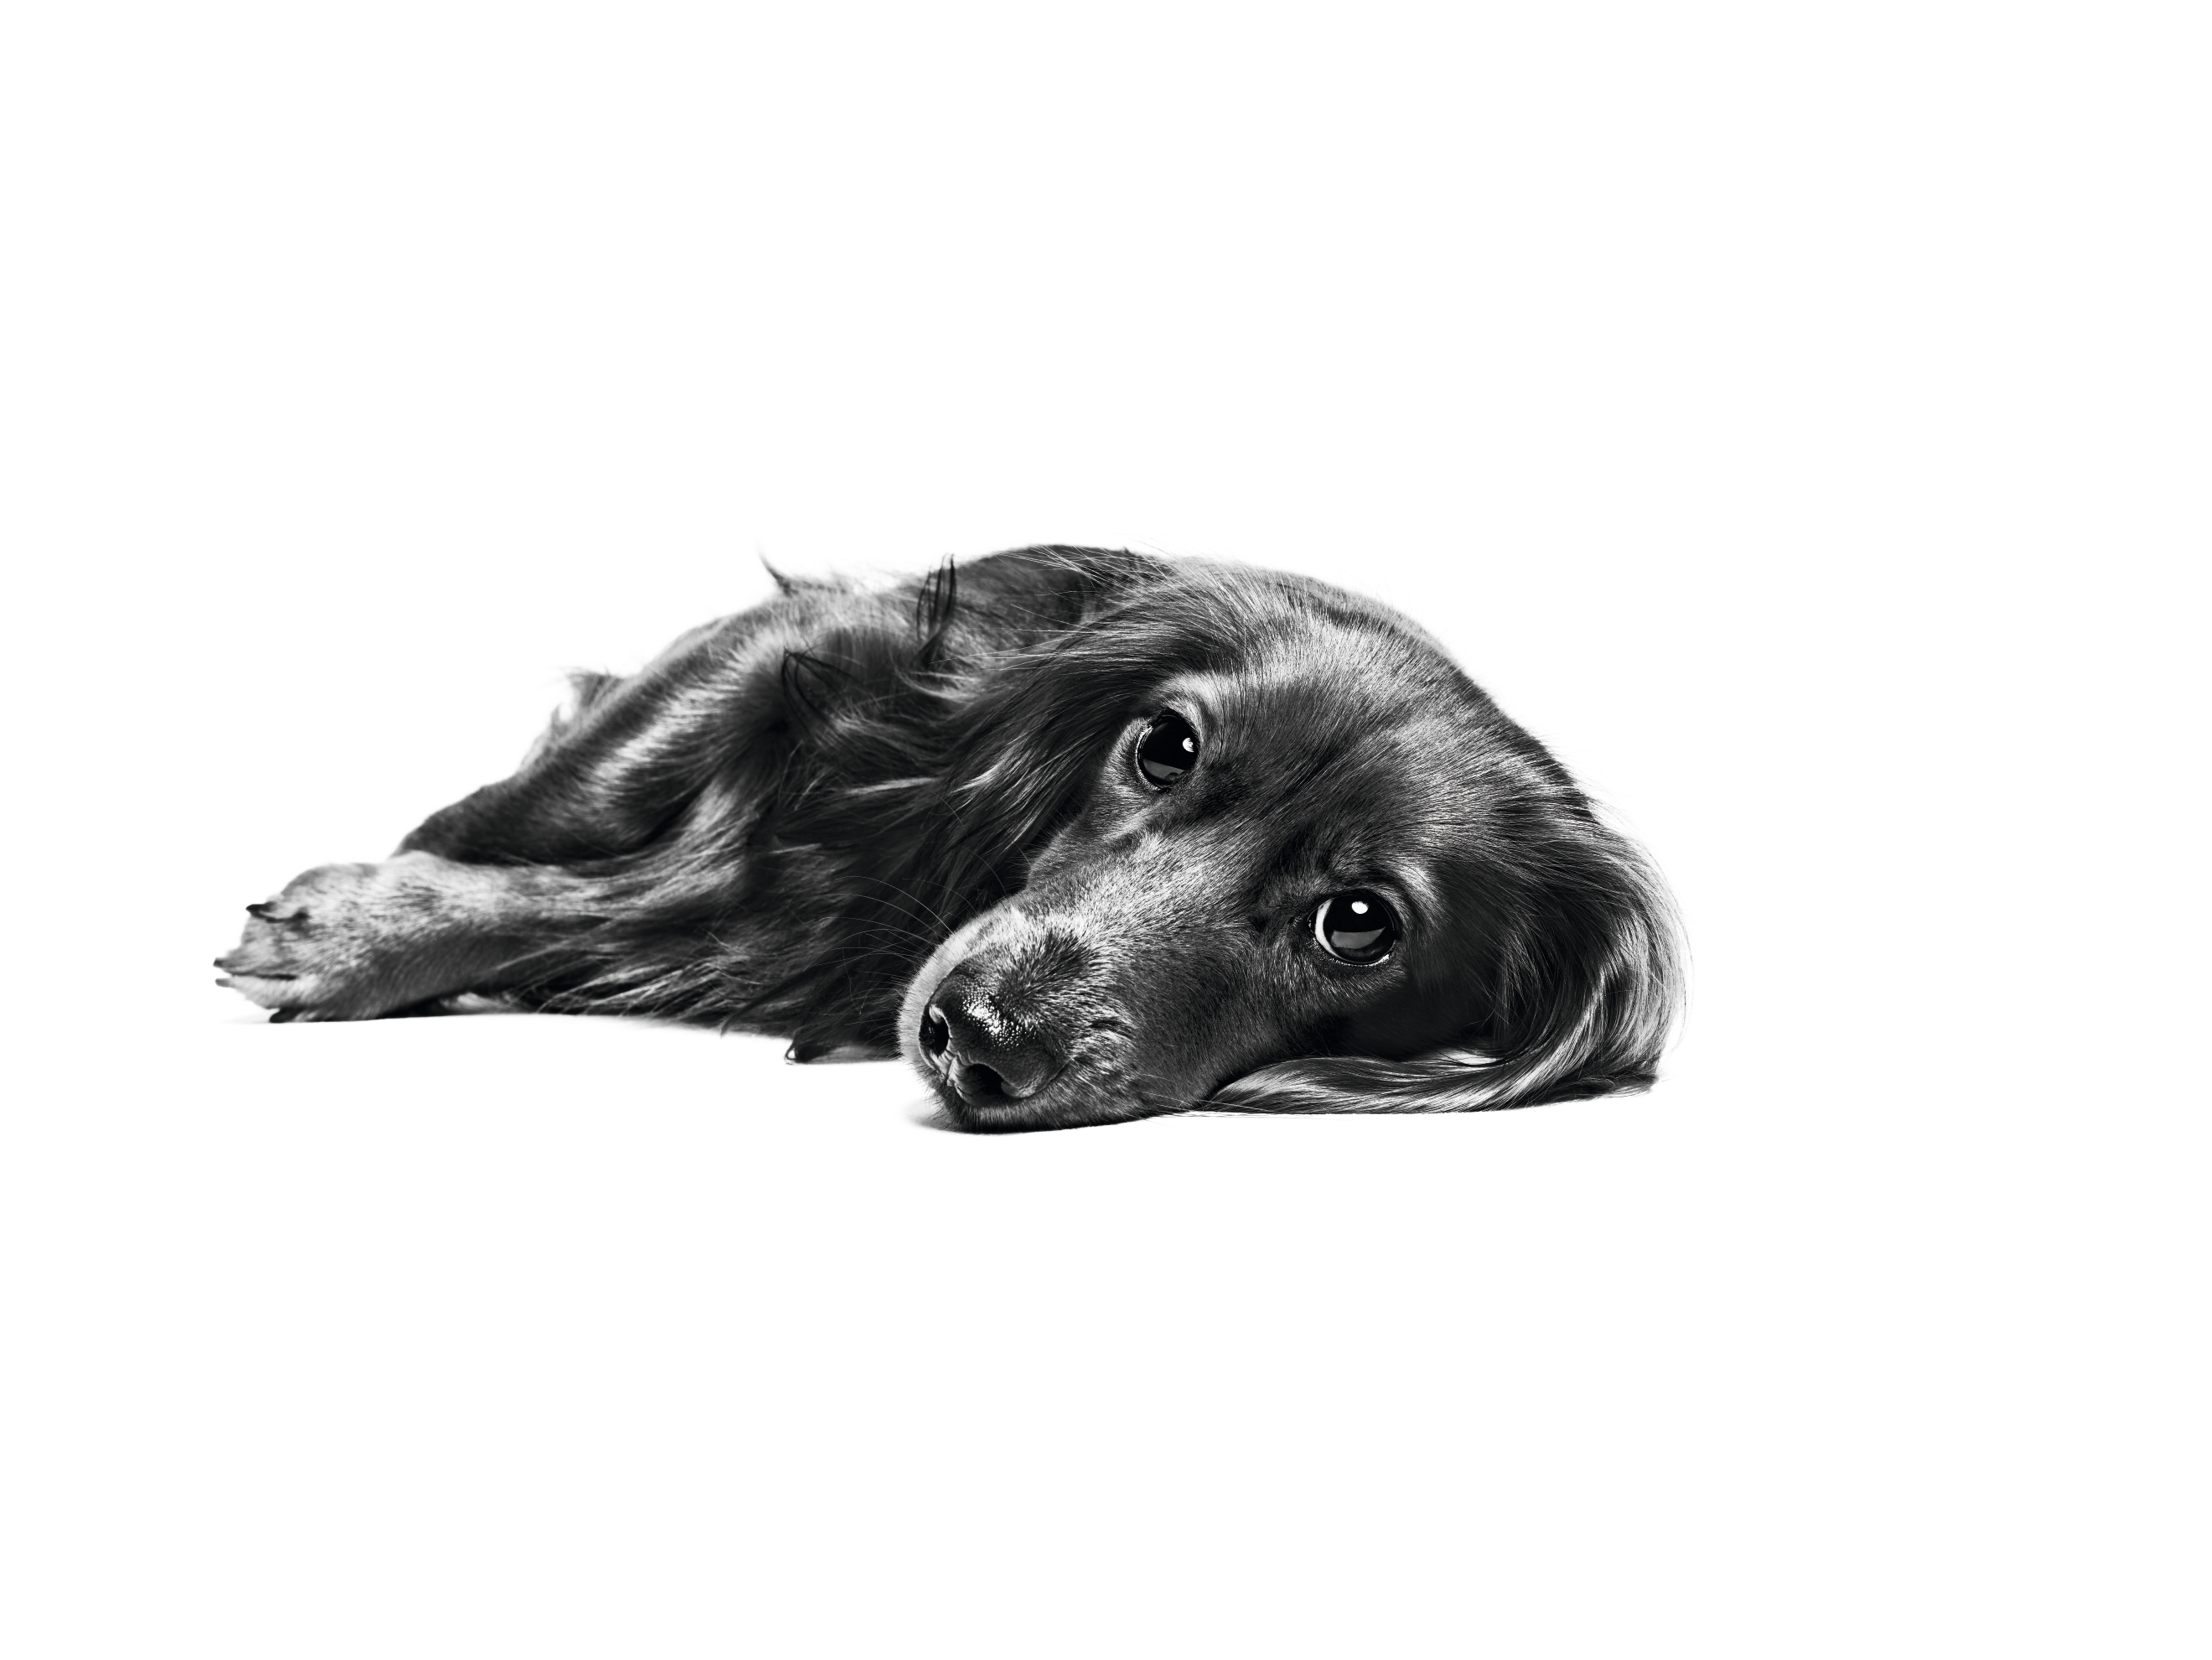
point(1087, 835)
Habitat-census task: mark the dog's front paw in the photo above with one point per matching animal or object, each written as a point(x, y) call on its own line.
point(320, 950)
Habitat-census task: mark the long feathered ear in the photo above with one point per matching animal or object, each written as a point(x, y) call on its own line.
point(1584, 986)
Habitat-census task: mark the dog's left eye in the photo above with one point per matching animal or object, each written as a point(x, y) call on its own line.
point(1356, 927)
point(1167, 750)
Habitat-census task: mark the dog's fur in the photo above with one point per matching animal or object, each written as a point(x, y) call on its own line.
point(909, 819)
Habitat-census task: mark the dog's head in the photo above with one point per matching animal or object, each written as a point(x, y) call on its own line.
point(1295, 860)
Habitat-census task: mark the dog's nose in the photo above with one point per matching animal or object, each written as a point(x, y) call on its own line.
point(983, 1053)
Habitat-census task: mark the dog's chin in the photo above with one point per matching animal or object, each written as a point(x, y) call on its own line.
point(999, 1117)
point(1070, 1102)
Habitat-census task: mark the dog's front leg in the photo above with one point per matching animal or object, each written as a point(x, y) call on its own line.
point(350, 942)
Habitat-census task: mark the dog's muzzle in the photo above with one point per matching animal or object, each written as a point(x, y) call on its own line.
point(984, 1051)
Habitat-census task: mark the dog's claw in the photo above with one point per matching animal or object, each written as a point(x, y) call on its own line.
point(336, 943)
point(810, 1051)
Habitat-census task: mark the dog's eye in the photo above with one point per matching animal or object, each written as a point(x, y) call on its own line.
point(1356, 927)
point(1168, 749)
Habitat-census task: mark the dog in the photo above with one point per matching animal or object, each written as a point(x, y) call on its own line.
point(1085, 836)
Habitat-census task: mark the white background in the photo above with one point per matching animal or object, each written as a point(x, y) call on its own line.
point(1795, 415)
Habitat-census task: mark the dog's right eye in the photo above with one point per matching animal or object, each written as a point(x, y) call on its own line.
point(1358, 927)
point(1167, 749)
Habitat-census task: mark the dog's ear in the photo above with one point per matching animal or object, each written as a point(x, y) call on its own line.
point(1579, 986)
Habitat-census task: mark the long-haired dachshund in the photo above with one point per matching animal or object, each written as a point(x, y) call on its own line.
point(1086, 836)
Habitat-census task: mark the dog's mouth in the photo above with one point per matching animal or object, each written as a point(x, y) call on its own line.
point(1001, 1114)
point(1089, 1088)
